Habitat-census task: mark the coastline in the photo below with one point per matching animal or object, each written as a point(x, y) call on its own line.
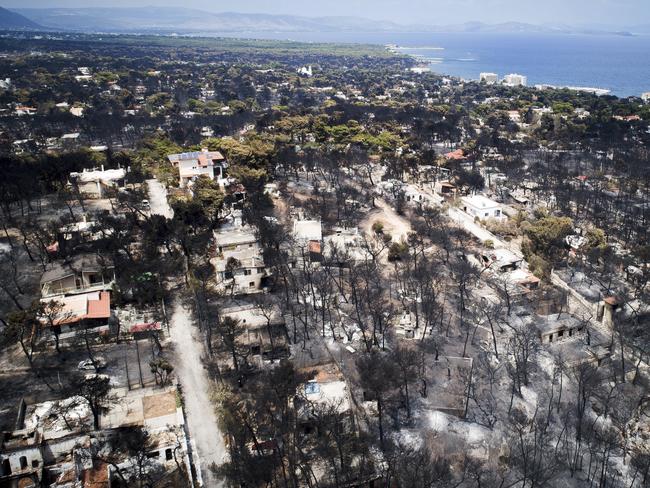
point(578, 68)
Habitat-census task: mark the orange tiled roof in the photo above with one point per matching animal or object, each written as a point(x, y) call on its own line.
point(457, 154)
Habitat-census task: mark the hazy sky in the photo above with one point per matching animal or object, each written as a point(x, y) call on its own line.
point(606, 12)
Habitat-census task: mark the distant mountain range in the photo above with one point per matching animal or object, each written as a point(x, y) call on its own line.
point(13, 21)
point(186, 21)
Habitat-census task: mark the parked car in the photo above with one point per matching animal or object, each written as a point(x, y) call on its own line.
point(87, 364)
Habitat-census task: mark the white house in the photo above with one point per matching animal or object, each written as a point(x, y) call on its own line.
point(94, 182)
point(239, 263)
point(204, 162)
point(307, 230)
point(482, 207)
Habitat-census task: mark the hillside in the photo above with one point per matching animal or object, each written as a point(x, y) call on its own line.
point(14, 21)
point(186, 20)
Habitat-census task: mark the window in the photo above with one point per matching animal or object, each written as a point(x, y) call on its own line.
point(94, 278)
point(251, 284)
point(153, 455)
point(6, 467)
point(35, 463)
point(560, 334)
point(550, 338)
point(168, 454)
point(23, 462)
point(247, 272)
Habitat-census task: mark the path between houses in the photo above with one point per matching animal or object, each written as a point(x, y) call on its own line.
point(207, 439)
point(205, 436)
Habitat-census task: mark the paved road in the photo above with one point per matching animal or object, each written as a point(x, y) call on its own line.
point(205, 436)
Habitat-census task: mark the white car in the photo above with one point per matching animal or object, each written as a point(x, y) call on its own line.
point(87, 364)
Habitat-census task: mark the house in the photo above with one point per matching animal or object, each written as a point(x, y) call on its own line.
point(70, 139)
point(21, 459)
point(344, 246)
point(75, 235)
point(552, 329)
point(457, 155)
point(239, 263)
point(519, 197)
point(406, 325)
point(526, 280)
point(24, 110)
point(92, 308)
point(307, 230)
point(80, 274)
point(306, 71)
point(258, 323)
point(93, 183)
point(501, 260)
point(326, 389)
point(447, 189)
point(53, 449)
point(204, 162)
point(481, 207)
point(514, 116)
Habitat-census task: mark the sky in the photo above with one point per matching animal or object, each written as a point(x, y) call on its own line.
point(575, 12)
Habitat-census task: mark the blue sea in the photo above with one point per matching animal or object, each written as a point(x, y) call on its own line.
point(620, 64)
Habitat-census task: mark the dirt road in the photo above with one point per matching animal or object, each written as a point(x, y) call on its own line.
point(395, 225)
point(201, 418)
point(158, 199)
point(206, 438)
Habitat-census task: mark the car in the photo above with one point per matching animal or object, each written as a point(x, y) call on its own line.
point(87, 364)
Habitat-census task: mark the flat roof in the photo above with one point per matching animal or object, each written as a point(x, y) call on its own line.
point(82, 263)
point(480, 201)
point(93, 305)
point(310, 230)
point(99, 175)
point(230, 237)
point(203, 157)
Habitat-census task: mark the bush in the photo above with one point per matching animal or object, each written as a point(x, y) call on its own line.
point(397, 251)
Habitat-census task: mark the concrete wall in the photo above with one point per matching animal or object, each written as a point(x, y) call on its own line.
point(29, 455)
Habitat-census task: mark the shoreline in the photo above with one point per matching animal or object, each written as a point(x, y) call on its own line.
point(425, 64)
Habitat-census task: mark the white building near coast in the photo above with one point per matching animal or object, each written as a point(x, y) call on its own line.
point(489, 78)
point(515, 80)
